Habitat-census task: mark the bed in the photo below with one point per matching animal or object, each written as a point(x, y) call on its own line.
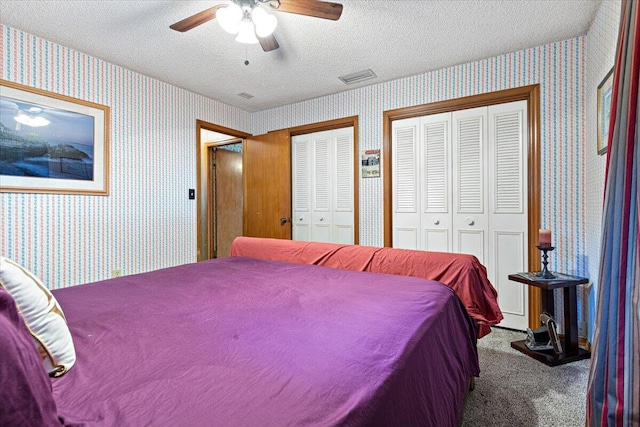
point(245, 341)
point(462, 273)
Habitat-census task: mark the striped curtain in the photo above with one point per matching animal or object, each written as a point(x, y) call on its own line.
point(613, 393)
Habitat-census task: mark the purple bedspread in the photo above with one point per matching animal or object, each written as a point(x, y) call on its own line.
point(245, 342)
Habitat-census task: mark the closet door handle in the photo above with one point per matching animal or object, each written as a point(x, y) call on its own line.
point(470, 221)
point(436, 221)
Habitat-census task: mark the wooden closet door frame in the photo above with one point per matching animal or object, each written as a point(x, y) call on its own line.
point(351, 121)
point(203, 184)
point(531, 94)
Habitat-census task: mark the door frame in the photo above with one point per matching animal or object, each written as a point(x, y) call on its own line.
point(531, 94)
point(344, 122)
point(203, 184)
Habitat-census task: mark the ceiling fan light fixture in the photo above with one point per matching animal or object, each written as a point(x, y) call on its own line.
point(230, 18)
point(265, 23)
point(247, 33)
point(259, 25)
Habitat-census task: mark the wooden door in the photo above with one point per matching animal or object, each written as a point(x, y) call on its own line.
point(228, 199)
point(267, 192)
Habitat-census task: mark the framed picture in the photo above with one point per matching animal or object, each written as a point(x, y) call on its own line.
point(371, 164)
point(604, 111)
point(52, 143)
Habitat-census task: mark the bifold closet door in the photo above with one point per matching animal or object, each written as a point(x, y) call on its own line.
point(435, 177)
point(507, 202)
point(470, 217)
point(323, 205)
point(421, 159)
point(322, 182)
point(404, 164)
point(301, 187)
point(459, 185)
point(343, 190)
point(439, 184)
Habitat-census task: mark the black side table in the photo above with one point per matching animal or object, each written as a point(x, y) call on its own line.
point(571, 350)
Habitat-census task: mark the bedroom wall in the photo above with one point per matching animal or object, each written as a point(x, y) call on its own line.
point(558, 67)
point(601, 48)
point(147, 221)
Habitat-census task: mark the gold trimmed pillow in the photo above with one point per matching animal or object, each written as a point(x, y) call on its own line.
point(43, 316)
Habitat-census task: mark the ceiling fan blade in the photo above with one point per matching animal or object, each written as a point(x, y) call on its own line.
point(268, 43)
point(316, 8)
point(197, 19)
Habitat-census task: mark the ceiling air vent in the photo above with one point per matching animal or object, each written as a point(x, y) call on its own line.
point(245, 95)
point(358, 77)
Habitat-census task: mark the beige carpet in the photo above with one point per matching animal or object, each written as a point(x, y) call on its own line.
point(516, 390)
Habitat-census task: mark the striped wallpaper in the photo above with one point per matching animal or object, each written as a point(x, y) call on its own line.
point(147, 221)
point(559, 68)
point(601, 48)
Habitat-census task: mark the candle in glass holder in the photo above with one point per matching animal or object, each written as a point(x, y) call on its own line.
point(544, 238)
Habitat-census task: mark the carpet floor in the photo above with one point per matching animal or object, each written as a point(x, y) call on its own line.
point(515, 390)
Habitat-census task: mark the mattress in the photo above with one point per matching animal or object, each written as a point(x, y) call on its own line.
point(246, 342)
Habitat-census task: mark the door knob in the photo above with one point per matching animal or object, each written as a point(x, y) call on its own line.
point(470, 221)
point(436, 221)
point(283, 221)
point(321, 218)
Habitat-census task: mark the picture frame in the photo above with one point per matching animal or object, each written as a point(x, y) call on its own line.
point(370, 161)
point(52, 143)
point(605, 90)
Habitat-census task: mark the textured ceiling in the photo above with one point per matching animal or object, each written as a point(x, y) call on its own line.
point(395, 38)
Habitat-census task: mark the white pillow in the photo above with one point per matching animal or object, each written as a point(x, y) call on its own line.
point(43, 316)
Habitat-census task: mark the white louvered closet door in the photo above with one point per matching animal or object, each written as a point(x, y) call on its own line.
point(343, 203)
point(301, 186)
point(435, 178)
point(459, 185)
point(404, 164)
point(321, 179)
point(508, 209)
point(470, 218)
point(323, 186)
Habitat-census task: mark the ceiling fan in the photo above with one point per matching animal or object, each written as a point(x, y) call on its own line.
point(250, 20)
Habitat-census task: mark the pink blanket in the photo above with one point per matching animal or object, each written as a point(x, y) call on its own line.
point(463, 273)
